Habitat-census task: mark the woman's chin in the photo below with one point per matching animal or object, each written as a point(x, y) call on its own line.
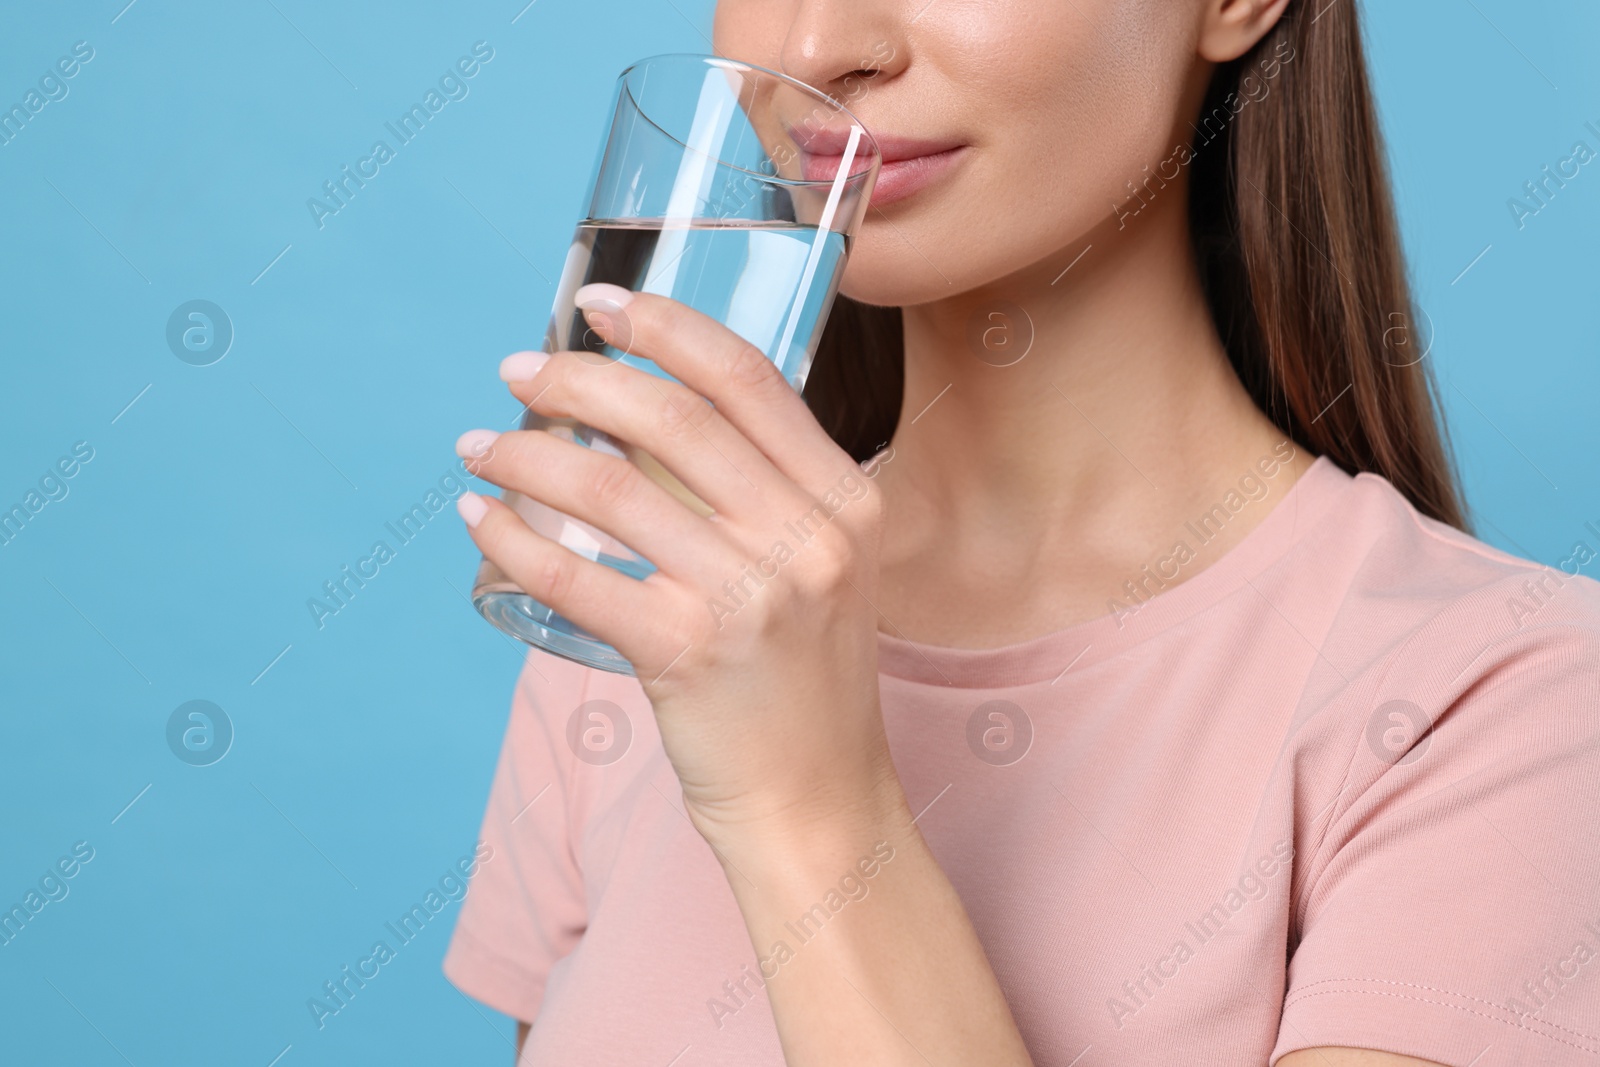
point(890, 294)
point(893, 279)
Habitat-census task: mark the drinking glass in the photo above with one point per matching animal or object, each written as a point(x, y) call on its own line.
point(730, 188)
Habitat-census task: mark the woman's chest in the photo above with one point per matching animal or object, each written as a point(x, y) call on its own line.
point(1133, 897)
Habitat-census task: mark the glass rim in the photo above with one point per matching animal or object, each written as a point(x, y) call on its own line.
point(709, 60)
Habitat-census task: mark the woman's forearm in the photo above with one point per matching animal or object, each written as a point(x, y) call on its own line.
point(865, 950)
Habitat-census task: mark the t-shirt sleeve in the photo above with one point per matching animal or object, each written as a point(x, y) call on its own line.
point(525, 908)
point(1451, 904)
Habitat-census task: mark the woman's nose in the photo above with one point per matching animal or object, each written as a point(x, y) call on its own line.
point(832, 42)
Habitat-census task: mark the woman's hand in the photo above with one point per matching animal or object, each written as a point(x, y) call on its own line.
point(755, 639)
point(756, 642)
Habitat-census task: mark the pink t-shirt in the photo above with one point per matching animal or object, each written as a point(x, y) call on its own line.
point(1211, 827)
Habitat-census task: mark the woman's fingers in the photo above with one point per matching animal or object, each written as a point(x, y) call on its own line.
point(628, 613)
point(665, 420)
point(605, 491)
point(735, 434)
point(735, 375)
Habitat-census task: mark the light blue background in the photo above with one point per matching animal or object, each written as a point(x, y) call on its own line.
point(178, 567)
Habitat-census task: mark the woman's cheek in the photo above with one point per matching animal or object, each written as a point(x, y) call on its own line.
point(751, 30)
point(1046, 172)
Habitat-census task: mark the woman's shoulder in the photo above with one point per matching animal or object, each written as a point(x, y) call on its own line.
point(1443, 765)
point(1409, 554)
point(1429, 609)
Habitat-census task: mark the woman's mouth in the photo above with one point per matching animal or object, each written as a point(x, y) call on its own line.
point(909, 165)
point(900, 178)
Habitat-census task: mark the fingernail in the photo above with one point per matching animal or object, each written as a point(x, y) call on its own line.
point(522, 366)
point(472, 508)
point(602, 296)
point(474, 444)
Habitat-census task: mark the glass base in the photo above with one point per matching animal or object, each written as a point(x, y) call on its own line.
point(529, 621)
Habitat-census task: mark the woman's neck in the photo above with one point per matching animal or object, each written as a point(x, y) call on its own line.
point(1027, 493)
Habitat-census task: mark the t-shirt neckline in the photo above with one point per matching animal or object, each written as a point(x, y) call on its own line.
point(1049, 658)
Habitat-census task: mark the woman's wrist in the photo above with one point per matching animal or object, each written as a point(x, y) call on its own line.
point(812, 833)
point(789, 874)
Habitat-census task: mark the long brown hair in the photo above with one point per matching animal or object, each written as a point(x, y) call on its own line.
point(1294, 231)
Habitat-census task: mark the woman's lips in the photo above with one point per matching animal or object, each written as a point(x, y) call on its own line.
point(898, 179)
point(908, 165)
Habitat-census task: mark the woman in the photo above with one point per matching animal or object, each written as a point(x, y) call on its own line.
point(1143, 702)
